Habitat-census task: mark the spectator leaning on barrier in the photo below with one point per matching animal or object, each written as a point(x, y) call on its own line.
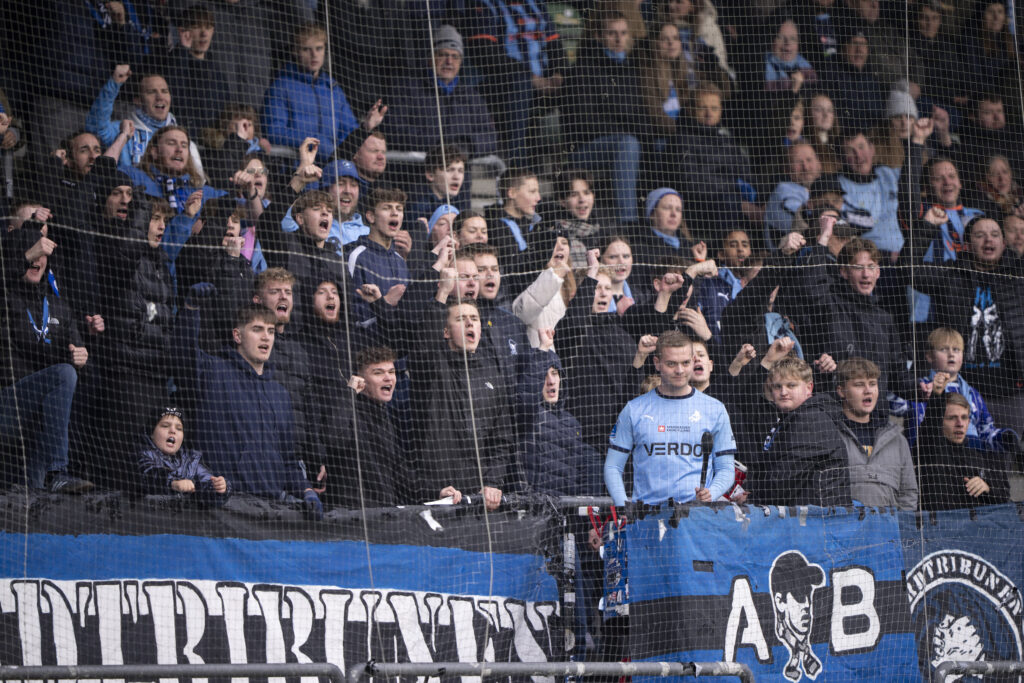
point(245, 418)
point(667, 431)
point(881, 468)
point(804, 461)
point(168, 466)
point(952, 474)
point(450, 419)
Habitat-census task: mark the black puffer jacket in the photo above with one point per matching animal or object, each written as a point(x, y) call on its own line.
point(804, 460)
point(838, 321)
point(944, 467)
point(135, 289)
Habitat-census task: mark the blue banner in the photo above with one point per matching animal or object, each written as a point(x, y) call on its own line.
point(412, 589)
point(824, 594)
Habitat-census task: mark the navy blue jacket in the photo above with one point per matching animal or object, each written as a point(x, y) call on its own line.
point(412, 118)
point(244, 419)
point(159, 470)
point(370, 263)
point(554, 457)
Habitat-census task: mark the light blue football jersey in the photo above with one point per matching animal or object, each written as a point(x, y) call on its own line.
point(663, 434)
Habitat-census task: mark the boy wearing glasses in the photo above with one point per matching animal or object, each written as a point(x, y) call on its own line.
point(843, 317)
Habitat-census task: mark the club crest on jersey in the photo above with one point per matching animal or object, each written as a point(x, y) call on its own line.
point(695, 416)
point(963, 609)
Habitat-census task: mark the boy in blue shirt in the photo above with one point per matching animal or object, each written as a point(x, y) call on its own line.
point(664, 429)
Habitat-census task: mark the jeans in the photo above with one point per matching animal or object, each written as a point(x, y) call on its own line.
point(618, 156)
point(36, 409)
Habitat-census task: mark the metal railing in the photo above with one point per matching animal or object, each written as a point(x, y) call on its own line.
point(371, 668)
point(489, 669)
point(152, 672)
point(946, 669)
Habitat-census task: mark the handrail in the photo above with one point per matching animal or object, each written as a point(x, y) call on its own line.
point(437, 669)
point(491, 162)
point(157, 671)
point(946, 669)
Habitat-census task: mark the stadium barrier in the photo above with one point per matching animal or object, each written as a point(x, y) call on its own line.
point(828, 594)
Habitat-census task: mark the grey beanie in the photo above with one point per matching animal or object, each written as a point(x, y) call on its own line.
point(448, 38)
point(900, 104)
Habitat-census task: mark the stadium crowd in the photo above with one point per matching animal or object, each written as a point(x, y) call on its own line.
point(778, 241)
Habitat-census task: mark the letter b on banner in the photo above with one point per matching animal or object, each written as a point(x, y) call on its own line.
point(855, 623)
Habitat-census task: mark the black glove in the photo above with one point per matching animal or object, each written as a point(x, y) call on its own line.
point(314, 508)
point(198, 292)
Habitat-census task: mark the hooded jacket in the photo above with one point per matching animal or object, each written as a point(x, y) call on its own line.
point(135, 293)
point(598, 355)
point(805, 461)
point(555, 458)
point(159, 470)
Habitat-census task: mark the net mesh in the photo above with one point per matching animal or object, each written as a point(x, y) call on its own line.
point(283, 272)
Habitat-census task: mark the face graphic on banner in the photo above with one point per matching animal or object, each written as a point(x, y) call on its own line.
point(792, 582)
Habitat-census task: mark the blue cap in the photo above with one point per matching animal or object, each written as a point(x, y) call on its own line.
point(656, 196)
point(442, 210)
point(338, 169)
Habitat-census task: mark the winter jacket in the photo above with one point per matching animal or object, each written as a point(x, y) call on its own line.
point(885, 477)
point(40, 323)
point(505, 335)
point(366, 461)
point(555, 458)
point(710, 169)
point(523, 244)
point(603, 97)
point(805, 461)
point(944, 467)
point(371, 263)
point(159, 470)
point(244, 425)
point(445, 435)
point(197, 86)
point(99, 122)
point(836, 320)
point(298, 106)
point(858, 95)
point(540, 306)
point(413, 116)
point(136, 296)
point(982, 433)
point(598, 355)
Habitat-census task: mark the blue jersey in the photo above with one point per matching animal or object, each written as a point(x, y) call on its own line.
point(663, 434)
